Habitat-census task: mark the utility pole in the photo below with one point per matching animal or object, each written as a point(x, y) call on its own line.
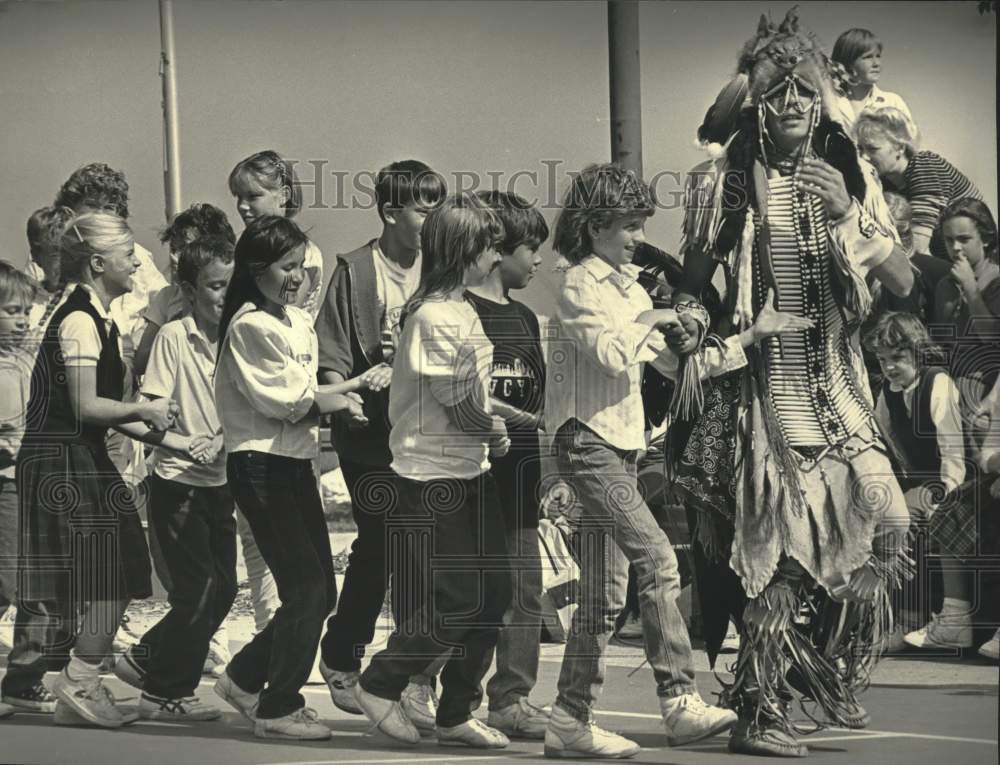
point(626, 98)
point(171, 133)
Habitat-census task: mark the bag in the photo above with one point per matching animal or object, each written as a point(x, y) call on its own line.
point(560, 580)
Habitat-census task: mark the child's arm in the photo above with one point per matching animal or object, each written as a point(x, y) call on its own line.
point(94, 410)
point(947, 418)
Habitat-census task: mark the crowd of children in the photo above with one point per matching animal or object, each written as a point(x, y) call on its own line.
point(438, 389)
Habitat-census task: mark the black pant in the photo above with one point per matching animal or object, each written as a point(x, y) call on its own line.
point(44, 634)
point(279, 497)
point(456, 530)
point(370, 567)
point(196, 530)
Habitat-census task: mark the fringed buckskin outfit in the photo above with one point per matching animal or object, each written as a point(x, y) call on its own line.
point(800, 523)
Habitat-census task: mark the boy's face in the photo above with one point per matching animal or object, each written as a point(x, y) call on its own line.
point(899, 365)
point(616, 244)
point(209, 294)
point(408, 221)
point(868, 67)
point(518, 268)
point(13, 321)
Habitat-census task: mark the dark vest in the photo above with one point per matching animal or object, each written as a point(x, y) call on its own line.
point(50, 416)
point(915, 434)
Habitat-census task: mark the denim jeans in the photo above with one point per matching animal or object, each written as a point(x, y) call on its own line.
point(519, 644)
point(196, 535)
point(279, 497)
point(8, 543)
point(455, 530)
point(615, 527)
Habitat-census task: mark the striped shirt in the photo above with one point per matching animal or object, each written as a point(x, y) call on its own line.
point(809, 374)
point(932, 183)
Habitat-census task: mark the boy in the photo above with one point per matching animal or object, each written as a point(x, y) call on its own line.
point(190, 506)
point(17, 292)
point(517, 390)
point(358, 329)
point(45, 229)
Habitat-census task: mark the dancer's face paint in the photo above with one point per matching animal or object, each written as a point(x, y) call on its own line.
point(789, 108)
point(282, 280)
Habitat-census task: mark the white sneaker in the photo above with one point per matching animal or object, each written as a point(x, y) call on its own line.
point(89, 699)
point(387, 716)
point(302, 724)
point(991, 648)
point(64, 715)
point(242, 701)
point(128, 670)
point(688, 719)
point(567, 737)
point(520, 720)
point(217, 659)
point(189, 708)
point(472, 733)
point(943, 631)
point(341, 685)
point(419, 703)
point(6, 710)
point(125, 638)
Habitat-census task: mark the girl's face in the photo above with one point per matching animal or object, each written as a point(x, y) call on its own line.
point(885, 155)
point(119, 264)
point(280, 282)
point(255, 201)
point(481, 268)
point(962, 239)
point(899, 365)
point(868, 67)
point(616, 244)
point(13, 321)
point(208, 295)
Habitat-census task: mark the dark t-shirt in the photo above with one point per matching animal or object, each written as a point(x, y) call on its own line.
point(517, 379)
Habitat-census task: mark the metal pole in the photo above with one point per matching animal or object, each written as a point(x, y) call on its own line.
point(626, 99)
point(171, 132)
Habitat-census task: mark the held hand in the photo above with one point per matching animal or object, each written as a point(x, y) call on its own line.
point(161, 414)
point(771, 322)
point(920, 502)
point(377, 378)
point(962, 273)
point(354, 411)
point(498, 439)
point(556, 500)
point(826, 182)
point(682, 337)
point(203, 449)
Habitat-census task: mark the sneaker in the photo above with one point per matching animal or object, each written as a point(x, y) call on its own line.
point(188, 708)
point(472, 733)
point(688, 719)
point(216, 660)
point(991, 648)
point(6, 710)
point(302, 724)
point(943, 631)
point(520, 720)
point(419, 703)
point(567, 737)
point(242, 701)
point(341, 685)
point(894, 642)
point(125, 638)
point(37, 698)
point(64, 715)
point(387, 716)
point(127, 669)
point(88, 699)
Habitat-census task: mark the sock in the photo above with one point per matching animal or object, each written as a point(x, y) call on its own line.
point(79, 670)
point(956, 606)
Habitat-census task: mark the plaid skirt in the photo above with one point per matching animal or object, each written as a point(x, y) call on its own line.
point(80, 538)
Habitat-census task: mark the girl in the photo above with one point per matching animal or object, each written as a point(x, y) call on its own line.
point(74, 507)
point(269, 404)
point(859, 52)
point(265, 184)
point(442, 434)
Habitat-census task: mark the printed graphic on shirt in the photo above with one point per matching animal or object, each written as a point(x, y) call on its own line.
point(514, 382)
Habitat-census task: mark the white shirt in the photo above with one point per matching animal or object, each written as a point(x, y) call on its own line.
point(308, 299)
point(394, 285)
point(265, 384)
point(877, 99)
point(989, 412)
point(79, 339)
point(443, 359)
point(947, 418)
point(597, 352)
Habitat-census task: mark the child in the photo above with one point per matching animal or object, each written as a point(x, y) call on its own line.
point(190, 505)
point(442, 434)
point(859, 52)
point(17, 292)
point(45, 230)
point(83, 549)
point(517, 391)
point(918, 411)
point(269, 406)
point(265, 184)
point(358, 330)
point(607, 320)
point(989, 461)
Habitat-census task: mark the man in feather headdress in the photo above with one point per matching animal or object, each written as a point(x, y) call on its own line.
point(800, 523)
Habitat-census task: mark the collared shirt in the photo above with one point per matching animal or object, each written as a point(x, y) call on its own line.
point(877, 99)
point(947, 419)
point(79, 339)
point(265, 383)
point(168, 304)
point(597, 351)
point(15, 383)
point(181, 366)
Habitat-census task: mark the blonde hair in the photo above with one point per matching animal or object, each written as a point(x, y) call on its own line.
point(92, 233)
point(891, 123)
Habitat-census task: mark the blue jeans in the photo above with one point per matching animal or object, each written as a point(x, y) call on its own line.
point(614, 528)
